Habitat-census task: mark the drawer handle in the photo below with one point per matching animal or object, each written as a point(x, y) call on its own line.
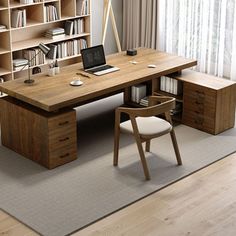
point(64, 123)
point(199, 121)
point(64, 139)
point(64, 156)
point(202, 93)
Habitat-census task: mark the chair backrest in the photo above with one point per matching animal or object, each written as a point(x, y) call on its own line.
point(162, 105)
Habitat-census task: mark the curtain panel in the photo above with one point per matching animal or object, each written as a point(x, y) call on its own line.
point(200, 29)
point(139, 23)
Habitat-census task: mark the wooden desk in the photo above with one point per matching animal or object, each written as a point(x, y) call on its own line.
point(35, 118)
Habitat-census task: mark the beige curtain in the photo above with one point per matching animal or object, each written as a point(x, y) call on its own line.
point(139, 23)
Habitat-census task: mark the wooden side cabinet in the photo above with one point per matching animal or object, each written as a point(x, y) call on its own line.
point(49, 139)
point(208, 102)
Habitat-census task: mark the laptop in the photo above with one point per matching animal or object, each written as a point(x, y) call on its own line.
point(94, 61)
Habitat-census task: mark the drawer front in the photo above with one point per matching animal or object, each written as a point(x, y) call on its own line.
point(62, 155)
point(199, 121)
point(199, 100)
point(59, 140)
point(62, 121)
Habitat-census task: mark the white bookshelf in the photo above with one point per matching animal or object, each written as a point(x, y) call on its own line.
point(13, 40)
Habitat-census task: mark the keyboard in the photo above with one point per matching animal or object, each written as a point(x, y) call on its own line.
point(103, 72)
point(100, 68)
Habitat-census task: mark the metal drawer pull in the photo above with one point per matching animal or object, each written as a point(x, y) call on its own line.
point(64, 139)
point(64, 123)
point(64, 156)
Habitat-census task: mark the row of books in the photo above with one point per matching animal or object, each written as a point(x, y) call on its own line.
point(35, 56)
point(82, 7)
point(18, 18)
point(50, 13)
point(28, 1)
point(74, 26)
point(138, 92)
point(171, 85)
point(66, 48)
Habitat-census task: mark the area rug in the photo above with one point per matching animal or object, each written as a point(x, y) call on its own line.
point(61, 201)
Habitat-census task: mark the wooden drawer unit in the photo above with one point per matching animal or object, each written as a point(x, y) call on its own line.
point(46, 138)
point(208, 102)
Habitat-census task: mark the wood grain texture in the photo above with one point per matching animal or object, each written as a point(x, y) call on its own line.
point(53, 93)
point(195, 205)
point(46, 138)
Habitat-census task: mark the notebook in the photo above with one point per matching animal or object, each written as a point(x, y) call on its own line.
point(94, 61)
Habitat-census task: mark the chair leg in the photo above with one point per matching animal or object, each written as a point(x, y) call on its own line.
point(116, 146)
point(176, 148)
point(142, 157)
point(148, 143)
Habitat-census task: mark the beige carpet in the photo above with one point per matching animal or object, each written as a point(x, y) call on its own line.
point(63, 200)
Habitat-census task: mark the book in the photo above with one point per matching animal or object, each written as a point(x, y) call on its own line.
point(69, 27)
point(52, 54)
point(20, 62)
point(58, 36)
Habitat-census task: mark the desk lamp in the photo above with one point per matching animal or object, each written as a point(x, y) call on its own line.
point(45, 50)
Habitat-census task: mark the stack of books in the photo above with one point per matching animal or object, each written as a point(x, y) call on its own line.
point(50, 13)
point(138, 92)
point(2, 27)
point(18, 18)
point(56, 33)
point(19, 64)
point(144, 102)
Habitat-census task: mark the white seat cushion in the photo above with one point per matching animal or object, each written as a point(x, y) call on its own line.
point(148, 126)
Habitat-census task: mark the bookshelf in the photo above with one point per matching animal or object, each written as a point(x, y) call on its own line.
point(26, 24)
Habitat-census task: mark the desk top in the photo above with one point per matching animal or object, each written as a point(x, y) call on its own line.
point(53, 93)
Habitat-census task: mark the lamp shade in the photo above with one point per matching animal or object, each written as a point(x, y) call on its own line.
point(45, 49)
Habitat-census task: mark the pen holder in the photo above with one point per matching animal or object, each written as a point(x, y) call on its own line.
point(57, 70)
point(51, 72)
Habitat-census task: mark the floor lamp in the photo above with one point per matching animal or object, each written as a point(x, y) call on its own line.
point(107, 10)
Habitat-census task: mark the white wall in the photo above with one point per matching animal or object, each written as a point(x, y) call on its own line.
point(97, 16)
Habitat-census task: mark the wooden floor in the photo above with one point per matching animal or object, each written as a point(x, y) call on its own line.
point(201, 204)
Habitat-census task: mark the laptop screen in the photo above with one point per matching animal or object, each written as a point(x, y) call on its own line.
point(93, 56)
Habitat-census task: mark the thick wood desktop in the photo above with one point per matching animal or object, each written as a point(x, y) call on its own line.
point(38, 120)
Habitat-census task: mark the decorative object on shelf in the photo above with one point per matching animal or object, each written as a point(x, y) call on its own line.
point(107, 10)
point(45, 50)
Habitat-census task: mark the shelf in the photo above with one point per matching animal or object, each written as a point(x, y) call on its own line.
point(19, 5)
point(35, 42)
point(4, 71)
point(3, 51)
point(3, 8)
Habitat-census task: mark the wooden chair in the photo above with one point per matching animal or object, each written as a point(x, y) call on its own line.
point(144, 125)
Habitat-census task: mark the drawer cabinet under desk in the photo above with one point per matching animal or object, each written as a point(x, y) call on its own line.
point(46, 138)
point(208, 102)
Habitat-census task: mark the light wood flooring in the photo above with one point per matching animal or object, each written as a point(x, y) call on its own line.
point(201, 204)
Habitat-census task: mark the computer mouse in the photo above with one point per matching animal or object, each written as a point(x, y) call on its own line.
point(76, 82)
point(152, 66)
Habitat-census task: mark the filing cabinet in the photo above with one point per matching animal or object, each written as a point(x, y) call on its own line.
point(208, 102)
